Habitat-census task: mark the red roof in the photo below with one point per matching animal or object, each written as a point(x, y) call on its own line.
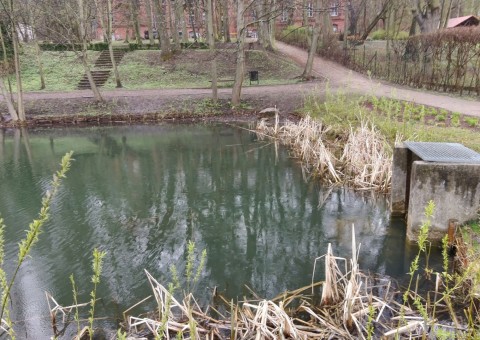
point(454, 22)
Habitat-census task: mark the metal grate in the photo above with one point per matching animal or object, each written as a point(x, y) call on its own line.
point(443, 152)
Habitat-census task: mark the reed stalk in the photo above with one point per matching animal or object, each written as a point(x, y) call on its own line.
point(97, 264)
point(33, 232)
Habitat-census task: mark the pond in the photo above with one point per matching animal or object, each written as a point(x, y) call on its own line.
point(140, 193)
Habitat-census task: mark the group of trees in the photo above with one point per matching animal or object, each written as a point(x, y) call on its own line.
point(75, 22)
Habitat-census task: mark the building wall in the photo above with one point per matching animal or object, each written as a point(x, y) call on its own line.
point(121, 19)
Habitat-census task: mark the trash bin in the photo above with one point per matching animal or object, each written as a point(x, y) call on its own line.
point(253, 76)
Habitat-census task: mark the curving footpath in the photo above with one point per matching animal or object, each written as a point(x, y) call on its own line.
point(286, 97)
point(341, 77)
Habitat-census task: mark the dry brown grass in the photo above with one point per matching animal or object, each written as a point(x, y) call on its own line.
point(365, 160)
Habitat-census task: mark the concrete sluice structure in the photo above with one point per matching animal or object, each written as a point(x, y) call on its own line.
point(446, 173)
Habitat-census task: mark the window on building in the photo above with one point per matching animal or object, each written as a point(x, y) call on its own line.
point(334, 10)
point(335, 28)
point(309, 10)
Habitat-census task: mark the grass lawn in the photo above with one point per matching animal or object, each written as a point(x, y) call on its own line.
point(396, 119)
point(144, 69)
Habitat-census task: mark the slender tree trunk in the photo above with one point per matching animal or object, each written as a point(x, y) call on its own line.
point(375, 20)
point(307, 72)
point(211, 44)
point(110, 45)
point(84, 54)
point(148, 8)
point(18, 75)
point(240, 70)
point(272, 28)
point(162, 30)
point(10, 107)
point(136, 23)
point(41, 73)
point(327, 25)
point(346, 32)
point(181, 10)
point(264, 36)
point(6, 94)
point(170, 12)
point(304, 13)
point(226, 22)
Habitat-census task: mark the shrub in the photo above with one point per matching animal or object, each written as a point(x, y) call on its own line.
point(101, 46)
point(60, 47)
point(402, 35)
point(378, 35)
point(195, 45)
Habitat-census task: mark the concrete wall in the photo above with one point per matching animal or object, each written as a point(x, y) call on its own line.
point(455, 189)
point(398, 201)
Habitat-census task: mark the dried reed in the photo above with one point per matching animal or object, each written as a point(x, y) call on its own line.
point(353, 306)
point(365, 160)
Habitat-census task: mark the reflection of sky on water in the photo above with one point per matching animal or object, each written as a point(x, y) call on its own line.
point(141, 193)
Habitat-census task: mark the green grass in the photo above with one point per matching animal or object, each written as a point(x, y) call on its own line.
point(144, 69)
point(341, 111)
point(62, 70)
point(471, 121)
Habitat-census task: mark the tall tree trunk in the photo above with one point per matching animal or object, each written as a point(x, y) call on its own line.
point(327, 25)
point(8, 100)
point(307, 72)
point(136, 23)
point(428, 18)
point(304, 13)
point(380, 15)
point(346, 30)
point(41, 73)
point(264, 18)
point(162, 30)
point(18, 75)
point(148, 8)
point(107, 34)
point(240, 70)
point(170, 13)
point(6, 95)
point(110, 45)
point(84, 54)
point(226, 22)
point(211, 44)
point(181, 10)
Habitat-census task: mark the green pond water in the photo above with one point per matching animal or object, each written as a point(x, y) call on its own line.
point(140, 193)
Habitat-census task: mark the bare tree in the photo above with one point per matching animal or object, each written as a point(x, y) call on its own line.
point(240, 69)
point(162, 29)
point(148, 8)
point(104, 8)
point(427, 14)
point(135, 6)
point(211, 44)
point(307, 72)
point(10, 13)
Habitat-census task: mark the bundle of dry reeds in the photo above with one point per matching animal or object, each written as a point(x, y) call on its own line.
point(367, 158)
point(365, 161)
point(353, 306)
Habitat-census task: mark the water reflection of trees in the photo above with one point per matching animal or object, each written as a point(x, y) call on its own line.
point(143, 194)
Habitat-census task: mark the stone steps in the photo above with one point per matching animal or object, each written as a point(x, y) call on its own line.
point(101, 69)
point(104, 60)
point(100, 77)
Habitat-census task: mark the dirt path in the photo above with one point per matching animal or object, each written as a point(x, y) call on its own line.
point(353, 82)
point(287, 98)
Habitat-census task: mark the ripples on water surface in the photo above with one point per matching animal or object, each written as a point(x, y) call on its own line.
point(140, 193)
